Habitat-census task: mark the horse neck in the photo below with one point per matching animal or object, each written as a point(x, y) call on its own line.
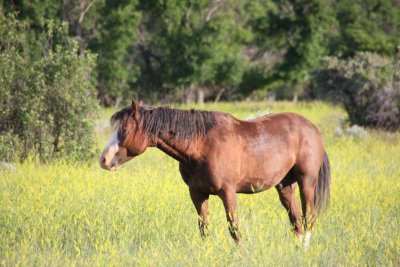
point(182, 151)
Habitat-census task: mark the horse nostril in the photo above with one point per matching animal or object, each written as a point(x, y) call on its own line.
point(113, 166)
point(103, 161)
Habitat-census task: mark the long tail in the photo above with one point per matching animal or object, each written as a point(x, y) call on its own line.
point(322, 192)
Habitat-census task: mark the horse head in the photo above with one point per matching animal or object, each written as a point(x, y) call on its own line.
point(128, 140)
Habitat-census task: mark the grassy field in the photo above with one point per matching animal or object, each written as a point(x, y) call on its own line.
point(66, 214)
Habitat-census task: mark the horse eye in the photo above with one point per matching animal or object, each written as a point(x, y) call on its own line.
point(122, 132)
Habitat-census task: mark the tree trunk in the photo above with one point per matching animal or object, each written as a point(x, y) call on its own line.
point(188, 96)
point(117, 102)
point(79, 25)
point(200, 96)
point(219, 95)
point(295, 96)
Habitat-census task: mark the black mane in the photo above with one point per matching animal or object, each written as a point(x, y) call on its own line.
point(182, 124)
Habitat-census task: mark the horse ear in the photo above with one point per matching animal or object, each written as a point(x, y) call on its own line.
point(135, 109)
point(140, 103)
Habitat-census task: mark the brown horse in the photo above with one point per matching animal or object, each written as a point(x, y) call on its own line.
point(221, 155)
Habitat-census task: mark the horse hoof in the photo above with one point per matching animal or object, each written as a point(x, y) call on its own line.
point(306, 241)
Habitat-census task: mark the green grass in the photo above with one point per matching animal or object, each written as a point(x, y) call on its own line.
point(67, 213)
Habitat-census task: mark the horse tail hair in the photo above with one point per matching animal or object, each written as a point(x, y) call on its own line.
point(322, 191)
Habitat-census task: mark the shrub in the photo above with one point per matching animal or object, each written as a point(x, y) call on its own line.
point(45, 102)
point(368, 85)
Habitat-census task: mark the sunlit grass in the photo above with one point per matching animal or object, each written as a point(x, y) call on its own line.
point(68, 213)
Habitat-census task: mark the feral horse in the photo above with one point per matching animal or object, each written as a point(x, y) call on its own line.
point(221, 155)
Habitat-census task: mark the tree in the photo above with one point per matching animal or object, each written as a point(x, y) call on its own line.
point(47, 102)
point(367, 84)
point(116, 69)
point(304, 27)
point(187, 45)
point(366, 26)
point(105, 27)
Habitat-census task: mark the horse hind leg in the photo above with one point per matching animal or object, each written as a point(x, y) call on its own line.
point(307, 184)
point(287, 196)
point(314, 193)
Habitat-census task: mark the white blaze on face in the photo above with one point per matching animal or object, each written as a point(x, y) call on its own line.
point(108, 155)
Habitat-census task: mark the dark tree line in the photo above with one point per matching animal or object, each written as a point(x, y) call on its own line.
point(195, 49)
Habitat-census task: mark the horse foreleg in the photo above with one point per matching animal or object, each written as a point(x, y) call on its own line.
point(287, 197)
point(228, 197)
point(200, 201)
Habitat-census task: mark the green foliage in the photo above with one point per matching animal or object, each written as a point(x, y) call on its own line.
point(366, 26)
point(104, 27)
point(296, 32)
point(117, 24)
point(189, 44)
point(368, 85)
point(46, 102)
point(305, 27)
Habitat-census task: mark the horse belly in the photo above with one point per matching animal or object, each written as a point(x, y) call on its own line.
point(264, 172)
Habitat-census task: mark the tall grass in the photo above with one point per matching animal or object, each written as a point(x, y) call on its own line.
point(68, 213)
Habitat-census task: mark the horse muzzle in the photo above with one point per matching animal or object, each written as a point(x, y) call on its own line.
point(110, 166)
